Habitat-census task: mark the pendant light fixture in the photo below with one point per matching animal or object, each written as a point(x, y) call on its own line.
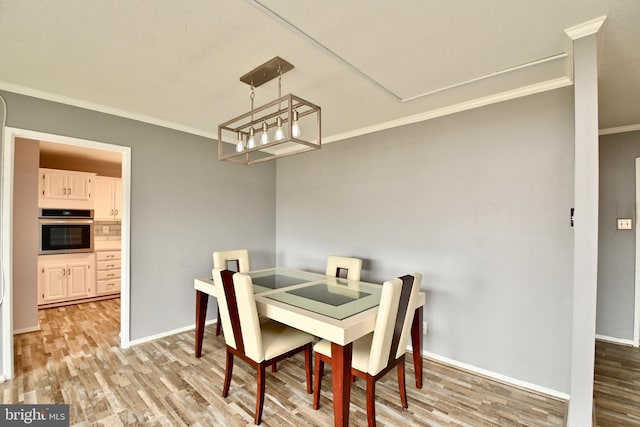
point(287, 115)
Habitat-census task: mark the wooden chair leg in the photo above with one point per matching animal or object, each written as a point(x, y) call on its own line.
point(307, 367)
point(274, 367)
point(317, 384)
point(260, 393)
point(219, 322)
point(371, 402)
point(401, 385)
point(227, 374)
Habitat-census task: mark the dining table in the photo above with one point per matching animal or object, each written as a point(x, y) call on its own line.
point(336, 309)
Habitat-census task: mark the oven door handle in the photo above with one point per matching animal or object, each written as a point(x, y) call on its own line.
point(65, 221)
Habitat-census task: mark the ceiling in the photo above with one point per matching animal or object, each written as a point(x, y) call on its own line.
point(369, 64)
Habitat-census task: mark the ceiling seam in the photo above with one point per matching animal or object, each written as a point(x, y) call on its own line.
point(494, 74)
point(264, 9)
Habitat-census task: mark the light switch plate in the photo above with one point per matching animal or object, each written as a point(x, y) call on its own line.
point(624, 224)
point(105, 229)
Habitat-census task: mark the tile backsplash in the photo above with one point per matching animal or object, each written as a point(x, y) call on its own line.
point(106, 230)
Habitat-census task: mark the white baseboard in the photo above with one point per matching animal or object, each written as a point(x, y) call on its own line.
point(168, 333)
point(621, 341)
point(498, 377)
point(25, 330)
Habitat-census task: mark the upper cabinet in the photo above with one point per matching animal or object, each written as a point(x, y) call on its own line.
point(65, 189)
point(108, 198)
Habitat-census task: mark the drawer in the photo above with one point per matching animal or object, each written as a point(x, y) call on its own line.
point(108, 274)
point(107, 255)
point(108, 265)
point(104, 287)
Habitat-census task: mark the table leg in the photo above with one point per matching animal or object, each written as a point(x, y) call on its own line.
point(341, 381)
point(416, 344)
point(202, 298)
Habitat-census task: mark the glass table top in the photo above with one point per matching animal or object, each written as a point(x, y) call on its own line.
point(333, 297)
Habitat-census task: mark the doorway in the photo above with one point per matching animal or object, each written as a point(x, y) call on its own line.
point(6, 292)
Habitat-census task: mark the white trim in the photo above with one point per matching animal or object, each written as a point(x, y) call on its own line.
point(614, 340)
point(169, 333)
point(585, 29)
point(498, 377)
point(7, 254)
point(7, 206)
point(23, 90)
point(619, 129)
point(26, 330)
point(636, 308)
point(456, 108)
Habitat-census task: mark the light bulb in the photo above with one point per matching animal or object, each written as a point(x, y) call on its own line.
point(295, 127)
point(264, 138)
point(251, 143)
point(279, 136)
point(240, 144)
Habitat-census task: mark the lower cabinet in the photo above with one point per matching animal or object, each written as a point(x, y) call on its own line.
point(107, 273)
point(66, 277)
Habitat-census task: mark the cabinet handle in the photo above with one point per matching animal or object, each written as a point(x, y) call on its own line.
point(64, 191)
point(69, 190)
point(116, 212)
point(110, 256)
point(111, 275)
point(110, 265)
point(69, 270)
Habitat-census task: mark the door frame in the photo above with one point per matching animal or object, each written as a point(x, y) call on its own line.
point(6, 227)
point(636, 311)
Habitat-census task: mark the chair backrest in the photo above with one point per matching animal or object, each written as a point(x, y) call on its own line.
point(227, 306)
point(249, 320)
point(394, 303)
point(239, 313)
point(335, 264)
point(235, 260)
point(408, 320)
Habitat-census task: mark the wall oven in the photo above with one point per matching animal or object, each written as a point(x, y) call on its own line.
point(64, 231)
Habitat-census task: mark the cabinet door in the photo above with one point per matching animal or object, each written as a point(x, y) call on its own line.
point(79, 187)
point(117, 198)
point(78, 281)
point(54, 282)
point(54, 185)
point(103, 200)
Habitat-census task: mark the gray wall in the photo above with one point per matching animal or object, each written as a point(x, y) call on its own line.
point(184, 204)
point(616, 255)
point(478, 202)
point(25, 235)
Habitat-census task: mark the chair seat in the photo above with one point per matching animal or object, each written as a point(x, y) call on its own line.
point(360, 355)
point(278, 339)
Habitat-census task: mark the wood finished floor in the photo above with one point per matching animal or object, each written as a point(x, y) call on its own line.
point(76, 359)
point(617, 385)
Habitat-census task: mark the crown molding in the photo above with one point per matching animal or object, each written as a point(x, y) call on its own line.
point(456, 108)
point(619, 129)
point(586, 28)
point(48, 96)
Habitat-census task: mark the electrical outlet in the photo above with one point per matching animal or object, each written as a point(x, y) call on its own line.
point(624, 224)
point(424, 328)
point(105, 229)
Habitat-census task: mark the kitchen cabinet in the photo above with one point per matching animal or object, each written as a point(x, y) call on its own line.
point(65, 277)
point(107, 273)
point(65, 189)
point(108, 198)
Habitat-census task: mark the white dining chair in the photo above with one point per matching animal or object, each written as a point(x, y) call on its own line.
point(235, 260)
point(377, 353)
point(259, 343)
point(337, 264)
